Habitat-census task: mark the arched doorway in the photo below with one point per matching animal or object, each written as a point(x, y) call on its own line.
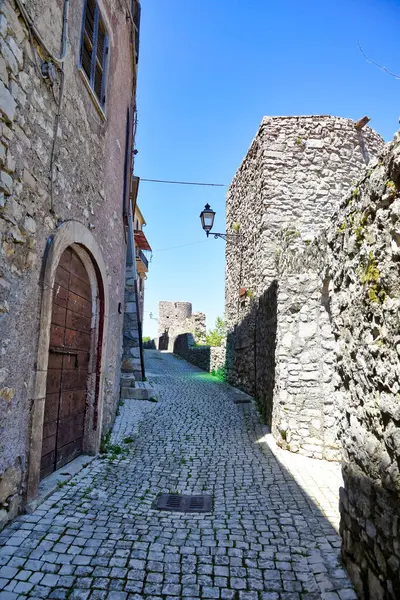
point(67, 403)
point(68, 371)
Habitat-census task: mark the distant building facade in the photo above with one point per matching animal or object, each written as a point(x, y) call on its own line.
point(175, 318)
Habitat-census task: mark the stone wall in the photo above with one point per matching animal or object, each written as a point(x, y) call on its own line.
point(282, 196)
point(87, 164)
point(131, 353)
point(363, 246)
point(175, 318)
point(338, 310)
point(305, 412)
point(208, 358)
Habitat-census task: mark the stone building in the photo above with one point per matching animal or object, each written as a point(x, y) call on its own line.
point(317, 339)
point(142, 248)
point(67, 105)
point(358, 254)
point(284, 193)
point(176, 318)
point(132, 368)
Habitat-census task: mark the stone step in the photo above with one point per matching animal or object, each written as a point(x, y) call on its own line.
point(127, 381)
point(142, 391)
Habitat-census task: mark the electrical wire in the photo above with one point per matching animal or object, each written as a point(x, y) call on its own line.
point(32, 27)
point(184, 182)
point(182, 246)
point(56, 125)
point(33, 32)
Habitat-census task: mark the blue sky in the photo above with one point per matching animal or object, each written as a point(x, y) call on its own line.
point(209, 71)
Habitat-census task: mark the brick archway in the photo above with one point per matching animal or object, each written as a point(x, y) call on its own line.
point(80, 240)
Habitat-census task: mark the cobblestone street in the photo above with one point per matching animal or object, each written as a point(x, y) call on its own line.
point(270, 536)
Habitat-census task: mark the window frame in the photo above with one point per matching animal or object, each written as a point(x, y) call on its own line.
point(90, 81)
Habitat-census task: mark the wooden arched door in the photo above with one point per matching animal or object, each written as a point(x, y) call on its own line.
point(69, 356)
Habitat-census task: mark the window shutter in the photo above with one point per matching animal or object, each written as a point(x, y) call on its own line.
point(138, 13)
point(103, 81)
point(94, 50)
point(100, 64)
point(88, 37)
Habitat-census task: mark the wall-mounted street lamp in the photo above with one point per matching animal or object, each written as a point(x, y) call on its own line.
point(207, 217)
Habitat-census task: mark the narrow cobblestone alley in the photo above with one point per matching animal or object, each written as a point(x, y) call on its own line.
point(270, 536)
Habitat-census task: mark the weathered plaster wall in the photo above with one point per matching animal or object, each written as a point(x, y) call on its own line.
point(363, 246)
point(87, 186)
point(175, 318)
point(282, 196)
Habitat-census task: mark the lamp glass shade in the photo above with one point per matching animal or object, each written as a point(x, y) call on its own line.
point(207, 218)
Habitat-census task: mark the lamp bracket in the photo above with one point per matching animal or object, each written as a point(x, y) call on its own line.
point(228, 237)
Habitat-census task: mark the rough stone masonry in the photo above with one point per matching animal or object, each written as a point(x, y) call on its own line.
point(280, 346)
point(175, 318)
point(362, 249)
point(41, 191)
point(332, 313)
point(357, 258)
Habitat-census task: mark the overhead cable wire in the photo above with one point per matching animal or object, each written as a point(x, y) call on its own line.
point(32, 27)
point(182, 246)
point(184, 182)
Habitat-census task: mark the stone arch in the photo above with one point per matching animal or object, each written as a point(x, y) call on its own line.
point(75, 235)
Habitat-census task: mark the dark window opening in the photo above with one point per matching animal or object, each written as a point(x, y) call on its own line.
point(136, 11)
point(94, 50)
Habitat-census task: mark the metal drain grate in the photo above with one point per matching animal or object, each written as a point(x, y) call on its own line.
point(181, 503)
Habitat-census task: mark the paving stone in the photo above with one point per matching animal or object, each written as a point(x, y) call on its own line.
point(23, 587)
point(8, 596)
point(8, 572)
point(266, 539)
point(79, 594)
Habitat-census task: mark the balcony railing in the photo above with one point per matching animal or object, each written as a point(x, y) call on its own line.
point(141, 258)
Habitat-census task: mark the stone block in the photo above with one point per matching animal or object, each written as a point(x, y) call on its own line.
point(130, 307)
point(134, 393)
point(308, 330)
point(375, 587)
point(315, 143)
point(13, 210)
point(29, 180)
point(16, 50)
point(7, 104)
point(127, 381)
point(3, 71)
point(30, 224)
point(9, 57)
point(3, 26)
point(10, 481)
point(134, 352)
point(14, 27)
point(130, 366)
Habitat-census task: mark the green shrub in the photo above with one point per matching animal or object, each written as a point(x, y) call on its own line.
point(219, 373)
point(215, 336)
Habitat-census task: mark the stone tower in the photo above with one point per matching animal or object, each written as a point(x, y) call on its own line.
point(283, 195)
point(175, 318)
